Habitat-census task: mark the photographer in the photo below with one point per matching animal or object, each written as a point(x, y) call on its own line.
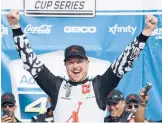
point(8, 107)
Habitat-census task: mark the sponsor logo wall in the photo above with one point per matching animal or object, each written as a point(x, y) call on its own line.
point(121, 29)
point(104, 38)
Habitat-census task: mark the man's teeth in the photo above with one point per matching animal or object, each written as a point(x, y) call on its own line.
point(75, 72)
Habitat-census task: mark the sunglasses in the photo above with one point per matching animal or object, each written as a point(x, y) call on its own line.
point(131, 106)
point(9, 105)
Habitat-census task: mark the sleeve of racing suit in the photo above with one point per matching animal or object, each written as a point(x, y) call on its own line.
point(110, 79)
point(44, 78)
point(123, 64)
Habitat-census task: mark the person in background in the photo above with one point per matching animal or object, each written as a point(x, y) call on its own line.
point(116, 107)
point(47, 116)
point(132, 103)
point(8, 107)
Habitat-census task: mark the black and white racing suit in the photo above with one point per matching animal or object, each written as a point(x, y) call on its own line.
point(82, 101)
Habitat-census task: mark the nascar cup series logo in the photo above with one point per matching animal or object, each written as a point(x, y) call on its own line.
point(42, 29)
point(60, 8)
point(157, 33)
point(122, 29)
point(4, 30)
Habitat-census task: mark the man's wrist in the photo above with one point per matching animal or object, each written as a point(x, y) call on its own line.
point(16, 26)
point(147, 32)
point(143, 103)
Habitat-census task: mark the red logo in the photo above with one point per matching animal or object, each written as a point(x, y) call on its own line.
point(132, 97)
point(75, 114)
point(7, 96)
point(85, 89)
point(74, 50)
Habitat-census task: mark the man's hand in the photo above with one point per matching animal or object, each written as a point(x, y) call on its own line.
point(13, 19)
point(140, 113)
point(143, 98)
point(150, 24)
point(6, 119)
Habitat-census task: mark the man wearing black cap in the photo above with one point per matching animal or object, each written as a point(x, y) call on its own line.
point(136, 104)
point(132, 103)
point(115, 106)
point(78, 99)
point(8, 105)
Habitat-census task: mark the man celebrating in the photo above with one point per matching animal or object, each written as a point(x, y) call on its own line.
point(78, 99)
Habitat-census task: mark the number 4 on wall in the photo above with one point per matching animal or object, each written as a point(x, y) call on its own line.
point(41, 109)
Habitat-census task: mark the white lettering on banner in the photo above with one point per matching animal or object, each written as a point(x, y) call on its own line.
point(42, 29)
point(158, 33)
point(117, 29)
point(26, 80)
point(4, 30)
point(80, 29)
point(32, 106)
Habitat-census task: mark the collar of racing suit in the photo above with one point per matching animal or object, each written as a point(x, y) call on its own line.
point(77, 83)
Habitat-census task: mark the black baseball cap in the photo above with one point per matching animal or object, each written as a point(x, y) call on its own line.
point(75, 50)
point(132, 98)
point(8, 98)
point(114, 97)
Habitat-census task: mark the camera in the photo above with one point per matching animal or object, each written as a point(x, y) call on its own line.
point(147, 88)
